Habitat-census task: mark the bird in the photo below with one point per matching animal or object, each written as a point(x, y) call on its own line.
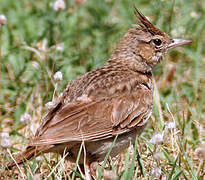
point(111, 102)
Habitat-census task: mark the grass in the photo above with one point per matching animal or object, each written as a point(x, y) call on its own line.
point(37, 41)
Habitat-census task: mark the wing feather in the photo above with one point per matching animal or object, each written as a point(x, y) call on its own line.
point(97, 120)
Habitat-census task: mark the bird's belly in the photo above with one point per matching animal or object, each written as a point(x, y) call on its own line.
point(98, 150)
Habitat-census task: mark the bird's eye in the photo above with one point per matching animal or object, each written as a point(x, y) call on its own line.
point(157, 42)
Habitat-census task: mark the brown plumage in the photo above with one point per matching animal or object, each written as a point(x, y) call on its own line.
point(115, 99)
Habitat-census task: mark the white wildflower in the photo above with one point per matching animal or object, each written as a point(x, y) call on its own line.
point(156, 172)
point(25, 118)
point(171, 125)
point(6, 143)
point(157, 139)
point(58, 76)
point(3, 20)
point(4, 135)
point(59, 5)
point(194, 14)
point(5, 140)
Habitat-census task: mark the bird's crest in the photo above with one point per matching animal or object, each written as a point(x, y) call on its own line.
point(145, 24)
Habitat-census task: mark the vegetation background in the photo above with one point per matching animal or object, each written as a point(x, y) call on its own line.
point(38, 41)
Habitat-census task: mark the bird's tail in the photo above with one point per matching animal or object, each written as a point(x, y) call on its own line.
point(28, 154)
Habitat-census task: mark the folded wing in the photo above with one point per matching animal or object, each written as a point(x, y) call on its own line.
point(91, 120)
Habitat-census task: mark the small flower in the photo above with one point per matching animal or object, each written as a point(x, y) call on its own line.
point(171, 125)
point(200, 152)
point(157, 139)
point(194, 14)
point(25, 118)
point(58, 76)
point(3, 20)
point(156, 172)
point(6, 143)
point(5, 140)
point(59, 5)
point(4, 135)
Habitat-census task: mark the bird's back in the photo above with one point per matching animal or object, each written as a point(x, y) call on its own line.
point(94, 102)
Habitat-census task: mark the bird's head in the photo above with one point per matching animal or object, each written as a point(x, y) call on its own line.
point(146, 44)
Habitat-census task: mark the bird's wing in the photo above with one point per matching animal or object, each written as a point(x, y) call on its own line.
point(88, 120)
point(132, 109)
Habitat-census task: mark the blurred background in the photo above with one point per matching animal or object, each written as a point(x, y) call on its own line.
point(38, 39)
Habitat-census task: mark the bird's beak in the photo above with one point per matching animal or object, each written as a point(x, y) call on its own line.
point(178, 42)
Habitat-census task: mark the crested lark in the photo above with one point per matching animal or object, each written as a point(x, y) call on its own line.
point(115, 99)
